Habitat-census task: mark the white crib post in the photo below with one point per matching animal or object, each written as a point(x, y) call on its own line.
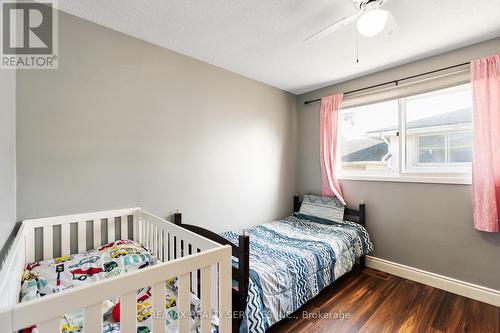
point(6, 320)
point(93, 319)
point(206, 299)
point(225, 290)
point(214, 288)
point(128, 312)
point(50, 326)
point(183, 304)
point(30, 243)
point(158, 292)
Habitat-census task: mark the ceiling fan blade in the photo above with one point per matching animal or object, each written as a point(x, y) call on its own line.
point(383, 2)
point(392, 26)
point(332, 28)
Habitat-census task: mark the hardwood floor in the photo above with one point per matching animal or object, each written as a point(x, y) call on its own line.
point(376, 302)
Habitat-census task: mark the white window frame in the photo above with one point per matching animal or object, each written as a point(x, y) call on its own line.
point(400, 91)
point(431, 167)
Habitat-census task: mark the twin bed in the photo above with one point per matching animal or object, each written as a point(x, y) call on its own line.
point(279, 266)
point(180, 271)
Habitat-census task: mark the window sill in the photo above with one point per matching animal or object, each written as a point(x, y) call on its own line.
point(457, 179)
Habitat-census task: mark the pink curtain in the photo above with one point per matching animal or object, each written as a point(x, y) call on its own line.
point(328, 151)
point(486, 131)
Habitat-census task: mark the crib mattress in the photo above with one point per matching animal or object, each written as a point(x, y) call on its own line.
point(112, 259)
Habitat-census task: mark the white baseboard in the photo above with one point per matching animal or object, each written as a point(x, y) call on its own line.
point(455, 286)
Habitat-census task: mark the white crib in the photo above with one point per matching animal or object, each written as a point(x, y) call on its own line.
point(201, 265)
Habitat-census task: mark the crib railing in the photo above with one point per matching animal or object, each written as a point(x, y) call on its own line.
point(11, 273)
point(47, 311)
point(64, 235)
point(206, 277)
point(169, 242)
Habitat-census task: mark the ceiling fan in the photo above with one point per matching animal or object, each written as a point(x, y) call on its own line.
point(371, 20)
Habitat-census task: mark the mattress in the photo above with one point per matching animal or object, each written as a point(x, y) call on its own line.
point(110, 260)
point(292, 260)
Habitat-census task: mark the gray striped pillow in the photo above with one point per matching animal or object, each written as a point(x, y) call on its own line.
point(327, 208)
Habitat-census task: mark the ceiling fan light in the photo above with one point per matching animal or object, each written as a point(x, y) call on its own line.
point(372, 22)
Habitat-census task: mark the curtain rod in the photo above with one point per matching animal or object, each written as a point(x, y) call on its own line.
point(393, 81)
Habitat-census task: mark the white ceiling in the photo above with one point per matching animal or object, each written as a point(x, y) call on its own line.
point(263, 39)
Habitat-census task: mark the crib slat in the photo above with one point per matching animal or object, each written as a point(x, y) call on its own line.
point(206, 299)
point(141, 230)
point(184, 303)
point(128, 312)
point(111, 229)
point(158, 292)
point(151, 237)
point(178, 247)
point(124, 227)
point(214, 288)
point(82, 236)
point(136, 224)
point(97, 232)
point(65, 249)
point(162, 244)
point(93, 319)
point(157, 243)
point(30, 244)
point(50, 326)
point(194, 274)
point(145, 233)
point(171, 247)
point(48, 242)
point(194, 282)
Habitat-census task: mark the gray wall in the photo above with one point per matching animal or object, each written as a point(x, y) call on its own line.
point(124, 123)
point(427, 226)
point(7, 155)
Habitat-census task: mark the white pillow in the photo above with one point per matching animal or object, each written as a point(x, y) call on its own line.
point(326, 208)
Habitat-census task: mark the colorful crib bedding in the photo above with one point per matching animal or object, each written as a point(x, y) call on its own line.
point(115, 258)
point(292, 260)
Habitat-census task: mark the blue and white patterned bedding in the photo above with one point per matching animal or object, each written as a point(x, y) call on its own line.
point(292, 260)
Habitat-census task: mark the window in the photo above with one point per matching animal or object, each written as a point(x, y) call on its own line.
point(431, 149)
point(432, 132)
point(439, 131)
point(450, 149)
point(364, 147)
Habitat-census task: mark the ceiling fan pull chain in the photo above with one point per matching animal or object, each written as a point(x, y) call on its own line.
point(357, 46)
